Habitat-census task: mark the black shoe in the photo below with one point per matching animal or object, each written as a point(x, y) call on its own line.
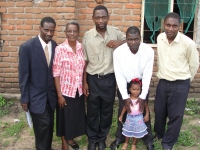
point(92, 145)
point(74, 145)
point(150, 147)
point(115, 144)
point(164, 148)
point(101, 145)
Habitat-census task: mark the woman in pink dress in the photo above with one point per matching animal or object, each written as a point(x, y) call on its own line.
point(68, 68)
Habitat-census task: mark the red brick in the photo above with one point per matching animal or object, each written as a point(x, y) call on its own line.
point(80, 17)
point(49, 10)
point(44, 4)
point(81, 5)
point(16, 10)
point(114, 5)
point(61, 22)
point(24, 4)
point(14, 65)
point(136, 23)
point(16, 32)
point(9, 49)
point(8, 27)
point(15, 22)
point(86, 23)
point(65, 9)
point(122, 12)
point(36, 27)
point(8, 16)
point(2, 90)
point(8, 38)
point(4, 54)
point(57, 16)
point(24, 16)
point(11, 80)
point(14, 75)
point(32, 22)
point(136, 1)
point(92, 5)
point(57, 4)
point(31, 33)
point(33, 10)
point(133, 6)
point(116, 17)
point(9, 59)
point(108, 1)
point(10, 70)
point(15, 85)
point(121, 1)
point(122, 23)
point(16, 43)
point(85, 1)
point(85, 11)
point(4, 65)
point(5, 85)
point(70, 3)
point(60, 28)
point(132, 18)
point(40, 16)
point(7, 4)
point(69, 16)
point(5, 75)
point(136, 11)
point(61, 35)
point(3, 10)
point(14, 54)
point(24, 27)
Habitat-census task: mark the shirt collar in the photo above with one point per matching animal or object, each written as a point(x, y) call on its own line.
point(43, 43)
point(69, 49)
point(177, 38)
point(96, 32)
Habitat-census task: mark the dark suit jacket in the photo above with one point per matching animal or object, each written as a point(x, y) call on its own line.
point(35, 77)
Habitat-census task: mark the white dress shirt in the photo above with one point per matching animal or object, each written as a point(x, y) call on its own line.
point(44, 45)
point(128, 66)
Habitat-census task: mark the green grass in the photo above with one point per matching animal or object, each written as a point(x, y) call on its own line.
point(188, 138)
point(4, 105)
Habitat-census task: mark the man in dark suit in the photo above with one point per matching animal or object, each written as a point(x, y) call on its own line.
point(38, 94)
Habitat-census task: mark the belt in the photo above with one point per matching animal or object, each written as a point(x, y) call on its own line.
point(103, 76)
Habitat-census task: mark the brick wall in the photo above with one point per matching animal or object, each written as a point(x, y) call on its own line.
point(21, 18)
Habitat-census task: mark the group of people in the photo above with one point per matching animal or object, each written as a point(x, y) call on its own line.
point(63, 76)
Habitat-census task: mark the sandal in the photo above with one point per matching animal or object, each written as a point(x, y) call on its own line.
point(74, 145)
point(125, 146)
point(133, 147)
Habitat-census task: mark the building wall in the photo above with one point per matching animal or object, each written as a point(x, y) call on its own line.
point(21, 18)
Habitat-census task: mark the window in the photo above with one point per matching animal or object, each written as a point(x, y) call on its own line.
point(156, 10)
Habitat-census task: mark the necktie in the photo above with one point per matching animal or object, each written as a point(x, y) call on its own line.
point(46, 52)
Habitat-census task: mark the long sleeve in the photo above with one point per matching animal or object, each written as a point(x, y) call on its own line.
point(120, 77)
point(147, 73)
point(193, 60)
point(23, 69)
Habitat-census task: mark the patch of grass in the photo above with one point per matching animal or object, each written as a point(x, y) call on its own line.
point(186, 138)
point(14, 129)
point(192, 107)
point(4, 104)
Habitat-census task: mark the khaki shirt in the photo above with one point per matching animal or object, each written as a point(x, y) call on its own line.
point(178, 60)
point(96, 53)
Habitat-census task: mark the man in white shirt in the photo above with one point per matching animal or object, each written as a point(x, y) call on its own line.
point(133, 60)
point(178, 62)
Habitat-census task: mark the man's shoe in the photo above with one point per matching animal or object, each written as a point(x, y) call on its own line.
point(115, 144)
point(164, 148)
point(92, 145)
point(101, 145)
point(150, 147)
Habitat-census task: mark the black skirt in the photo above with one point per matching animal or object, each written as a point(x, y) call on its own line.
point(71, 120)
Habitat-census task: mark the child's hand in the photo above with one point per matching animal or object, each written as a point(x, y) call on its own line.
point(146, 118)
point(120, 118)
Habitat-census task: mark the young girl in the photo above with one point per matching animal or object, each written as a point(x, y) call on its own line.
point(134, 125)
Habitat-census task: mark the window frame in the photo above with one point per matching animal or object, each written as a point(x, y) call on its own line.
point(171, 10)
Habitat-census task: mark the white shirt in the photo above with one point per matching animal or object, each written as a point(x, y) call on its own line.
point(128, 66)
point(44, 45)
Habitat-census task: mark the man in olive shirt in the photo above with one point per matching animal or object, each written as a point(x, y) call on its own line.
point(178, 61)
point(99, 83)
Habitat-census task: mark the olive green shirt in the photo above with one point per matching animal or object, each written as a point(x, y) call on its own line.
point(96, 53)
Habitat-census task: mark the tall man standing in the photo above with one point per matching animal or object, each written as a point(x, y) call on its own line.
point(178, 61)
point(38, 94)
point(133, 60)
point(99, 79)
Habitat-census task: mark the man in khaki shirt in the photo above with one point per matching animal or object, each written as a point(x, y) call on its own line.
point(178, 61)
point(99, 85)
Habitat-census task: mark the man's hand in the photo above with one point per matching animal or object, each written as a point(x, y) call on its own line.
point(127, 104)
point(85, 89)
point(114, 43)
point(25, 107)
point(141, 103)
point(61, 102)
